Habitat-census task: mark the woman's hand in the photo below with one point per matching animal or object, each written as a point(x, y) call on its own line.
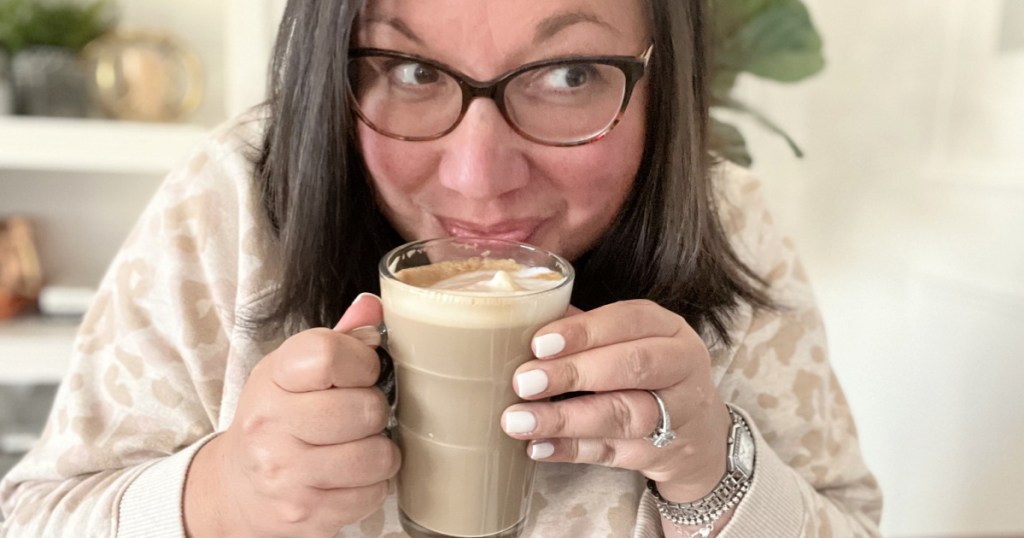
point(619, 352)
point(305, 454)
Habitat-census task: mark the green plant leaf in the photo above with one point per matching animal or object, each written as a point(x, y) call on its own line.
point(773, 39)
point(728, 142)
point(761, 119)
point(61, 23)
point(781, 44)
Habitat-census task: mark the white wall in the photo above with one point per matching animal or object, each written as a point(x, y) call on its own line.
point(909, 211)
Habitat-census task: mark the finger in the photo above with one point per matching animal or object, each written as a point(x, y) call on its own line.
point(319, 359)
point(609, 324)
point(365, 310)
point(335, 416)
point(632, 454)
point(349, 465)
point(626, 414)
point(650, 363)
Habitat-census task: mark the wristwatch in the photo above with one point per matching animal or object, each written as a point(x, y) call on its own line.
point(739, 472)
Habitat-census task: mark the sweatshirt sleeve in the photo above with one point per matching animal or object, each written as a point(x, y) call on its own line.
point(810, 479)
point(144, 385)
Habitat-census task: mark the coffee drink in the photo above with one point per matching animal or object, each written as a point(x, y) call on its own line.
point(457, 331)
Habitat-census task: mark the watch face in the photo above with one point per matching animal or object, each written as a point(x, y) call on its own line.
point(742, 457)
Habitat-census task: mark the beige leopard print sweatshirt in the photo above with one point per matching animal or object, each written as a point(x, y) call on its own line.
point(163, 353)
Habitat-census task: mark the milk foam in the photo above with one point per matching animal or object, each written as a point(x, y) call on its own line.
point(477, 293)
point(499, 281)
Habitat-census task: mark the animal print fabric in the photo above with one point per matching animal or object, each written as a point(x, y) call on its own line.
point(162, 355)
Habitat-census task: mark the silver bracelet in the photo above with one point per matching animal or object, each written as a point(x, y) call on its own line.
point(730, 489)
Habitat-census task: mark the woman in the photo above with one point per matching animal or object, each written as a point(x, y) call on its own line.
point(208, 320)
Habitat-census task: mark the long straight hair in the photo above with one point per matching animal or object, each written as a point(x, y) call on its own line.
point(666, 244)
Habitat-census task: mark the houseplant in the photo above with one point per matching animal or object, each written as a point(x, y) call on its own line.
point(770, 39)
point(43, 38)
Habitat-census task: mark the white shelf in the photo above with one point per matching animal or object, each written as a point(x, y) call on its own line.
point(87, 145)
point(35, 349)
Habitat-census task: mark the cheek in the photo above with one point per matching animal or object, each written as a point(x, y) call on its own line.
point(397, 169)
point(596, 180)
point(380, 155)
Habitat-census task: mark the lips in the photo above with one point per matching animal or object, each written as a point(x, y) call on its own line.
point(520, 230)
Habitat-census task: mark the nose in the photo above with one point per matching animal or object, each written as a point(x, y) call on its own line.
point(483, 157)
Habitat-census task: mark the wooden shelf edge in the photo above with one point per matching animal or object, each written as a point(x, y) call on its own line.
point(91, 145)
point(35, 349)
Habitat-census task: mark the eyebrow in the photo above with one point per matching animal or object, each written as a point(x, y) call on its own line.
point(398, 25)
point(547, 28)
point(556, 23)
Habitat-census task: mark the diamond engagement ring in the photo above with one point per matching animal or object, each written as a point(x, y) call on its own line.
point(663, 434)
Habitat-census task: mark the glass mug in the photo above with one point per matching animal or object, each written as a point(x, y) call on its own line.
point(455, 352)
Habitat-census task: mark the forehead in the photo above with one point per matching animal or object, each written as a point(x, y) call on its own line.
point(485, 34)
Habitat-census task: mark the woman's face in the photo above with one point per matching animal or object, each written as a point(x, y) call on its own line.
point(483, 179)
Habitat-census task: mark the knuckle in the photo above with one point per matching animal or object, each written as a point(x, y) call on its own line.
point(373, 409)
point(266, 463)
point(559, 422)
point(396, 459)
point(606, 454)
point(294, 512)
point(383, 455)
point(572, 376)
point(623, 416)
point(572, 450)
point(253, 424)
point(577, 333)
point(636, 365)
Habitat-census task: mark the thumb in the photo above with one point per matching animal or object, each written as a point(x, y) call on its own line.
point(365, 310)
point(572, 311)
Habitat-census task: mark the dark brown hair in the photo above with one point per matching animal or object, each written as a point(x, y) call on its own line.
point(667, 243)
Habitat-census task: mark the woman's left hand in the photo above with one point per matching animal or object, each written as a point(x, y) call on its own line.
point(619, 352)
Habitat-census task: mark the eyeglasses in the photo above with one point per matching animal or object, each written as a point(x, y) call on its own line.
point(559, 102)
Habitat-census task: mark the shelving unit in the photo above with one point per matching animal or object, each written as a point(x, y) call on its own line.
point(35, 349)
point(43, 161)
point(70, 145)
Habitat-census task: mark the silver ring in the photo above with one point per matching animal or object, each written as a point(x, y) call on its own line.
point(662, 436)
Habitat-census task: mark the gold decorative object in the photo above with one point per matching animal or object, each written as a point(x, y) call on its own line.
point(21, 278)
point(144, 76)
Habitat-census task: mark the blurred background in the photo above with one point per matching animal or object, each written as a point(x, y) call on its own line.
point(907, 207)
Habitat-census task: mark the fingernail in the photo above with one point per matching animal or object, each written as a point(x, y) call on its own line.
point(520, 422)
point(360, 297)
point(531, 383)
point(539, 451)
point(548, 345)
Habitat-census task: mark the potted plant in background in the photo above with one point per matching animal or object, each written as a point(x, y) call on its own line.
point(769, 39)
point(44, 39)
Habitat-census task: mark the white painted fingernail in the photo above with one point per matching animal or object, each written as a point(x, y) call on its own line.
point(531, 383)
point(548, 345)
point(520, 422)
point(539, 451)
point(361, 296)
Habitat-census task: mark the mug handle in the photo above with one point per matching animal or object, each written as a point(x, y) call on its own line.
point(371, 335)
point(377, 336)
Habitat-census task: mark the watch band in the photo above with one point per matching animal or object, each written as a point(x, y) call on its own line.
point(727, 494)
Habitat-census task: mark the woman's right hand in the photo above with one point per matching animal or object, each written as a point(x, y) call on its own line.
point(305, 454)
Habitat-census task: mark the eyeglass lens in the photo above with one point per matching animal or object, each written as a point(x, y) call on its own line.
point(556, 103)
